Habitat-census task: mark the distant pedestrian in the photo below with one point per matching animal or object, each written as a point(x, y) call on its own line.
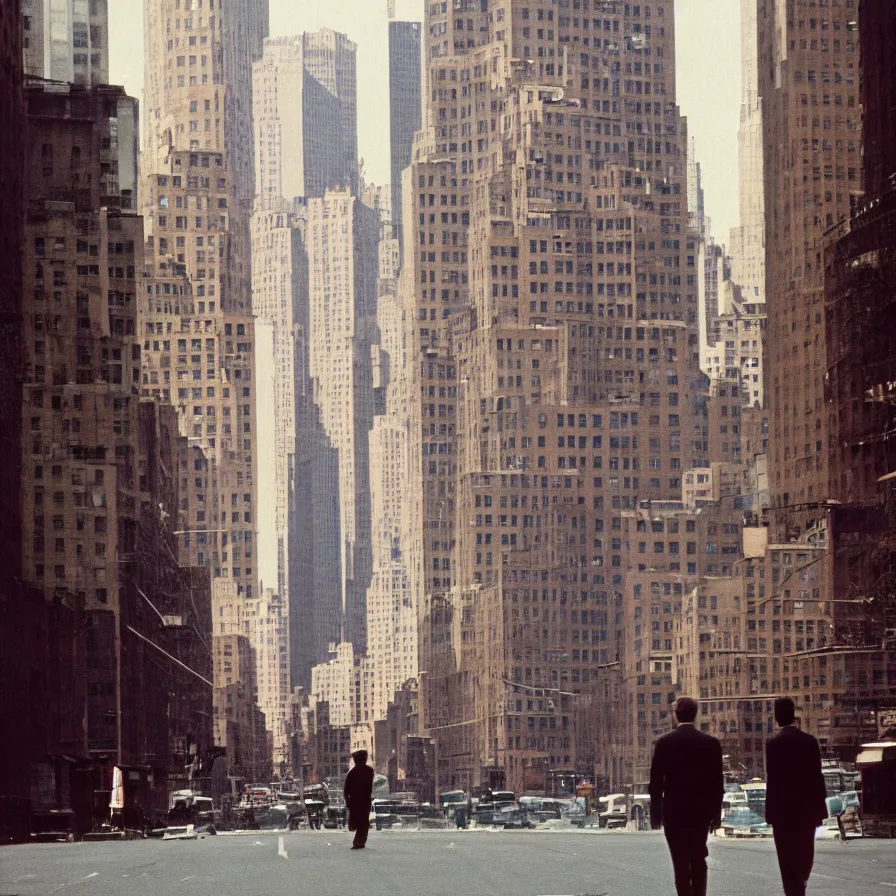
point(841, 826)
point(686, 789)
point(358, 792)
point(795, 802)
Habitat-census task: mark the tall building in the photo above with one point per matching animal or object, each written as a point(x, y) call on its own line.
point(306, 143)
point(193, 189)
point(860, 315)
point(198, 96)
point(66, 41)
point(306, 119)
point(670, 549)
point(17, 689)
point(405, 102)
point(748, 238)
point(12, 158)
point(336, 683)
point(196, 323)
point(315, 554)
point(392, 652)
point(550, 291)
point(876, 20)
point(269, 636)
point(100, 487)
point(239, 724)
point(819, 563)
point(279, 302)
point(342, 238)
point(696, 193)
point(808, 64)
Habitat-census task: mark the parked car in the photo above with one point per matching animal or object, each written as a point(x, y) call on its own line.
point(741, 821)
point(512, 820)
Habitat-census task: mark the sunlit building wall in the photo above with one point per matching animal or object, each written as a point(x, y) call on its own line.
point(67, 40)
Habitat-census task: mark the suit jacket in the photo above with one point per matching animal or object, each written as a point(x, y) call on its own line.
point(358, 791)
point(795, 797)
point(687, 782)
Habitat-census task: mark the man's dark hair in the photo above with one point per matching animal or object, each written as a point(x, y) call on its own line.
point(360, 757)
point(785, 711)
point(685, 709)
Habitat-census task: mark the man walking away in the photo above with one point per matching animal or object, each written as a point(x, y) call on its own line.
point(686, 789)
point(795, 798)
point(358, 791)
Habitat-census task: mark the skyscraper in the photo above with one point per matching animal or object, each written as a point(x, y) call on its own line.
point(748, 238)
point(306, 143)
point(66, 41)
point(860, 323)
point(809, 87)
point(811, 118)
point(342, 242)
point(876, 21)
point(301, 484)
point(14, 622)
point(199, 97)
point(196, 325)
point(551, 298)
point(101, 485)
point(392, 653)
point(306, 126)
point(12, 158)
point(405, 109)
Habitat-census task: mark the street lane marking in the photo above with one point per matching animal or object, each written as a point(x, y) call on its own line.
point(75, 882)
point(281, 849)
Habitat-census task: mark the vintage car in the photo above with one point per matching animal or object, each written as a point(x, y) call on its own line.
point(742, 821)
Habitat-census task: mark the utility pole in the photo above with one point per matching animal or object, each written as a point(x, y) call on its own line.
point(435, 753)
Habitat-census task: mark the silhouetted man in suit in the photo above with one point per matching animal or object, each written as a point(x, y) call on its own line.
point(686, 789)
point(795, 799)
point(358, 792)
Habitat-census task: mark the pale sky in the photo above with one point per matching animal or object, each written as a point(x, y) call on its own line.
point(708, 44)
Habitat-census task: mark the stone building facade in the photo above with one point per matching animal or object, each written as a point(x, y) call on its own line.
point(240, 725)
point(748, 238)
point(306, 127)
point(196, 196)
point(65, 41)
point(405, 103)
point(808, 63)
point(100, 487)
point(551, 292)
point(342, 239)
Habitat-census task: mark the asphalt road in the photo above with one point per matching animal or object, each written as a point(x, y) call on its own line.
point(424, 864)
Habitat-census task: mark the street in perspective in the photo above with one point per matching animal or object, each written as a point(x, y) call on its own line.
point(448, 446)
point(506, 864)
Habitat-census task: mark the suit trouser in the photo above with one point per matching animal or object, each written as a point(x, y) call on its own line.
point(796, 853)
point(362, 828)
point(687, 845)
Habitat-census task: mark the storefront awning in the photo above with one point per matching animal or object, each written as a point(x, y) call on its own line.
point(870, 757)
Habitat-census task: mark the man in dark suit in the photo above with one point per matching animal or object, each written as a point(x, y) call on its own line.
point(358, 792)
point(795, 798)
point(686, 789)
